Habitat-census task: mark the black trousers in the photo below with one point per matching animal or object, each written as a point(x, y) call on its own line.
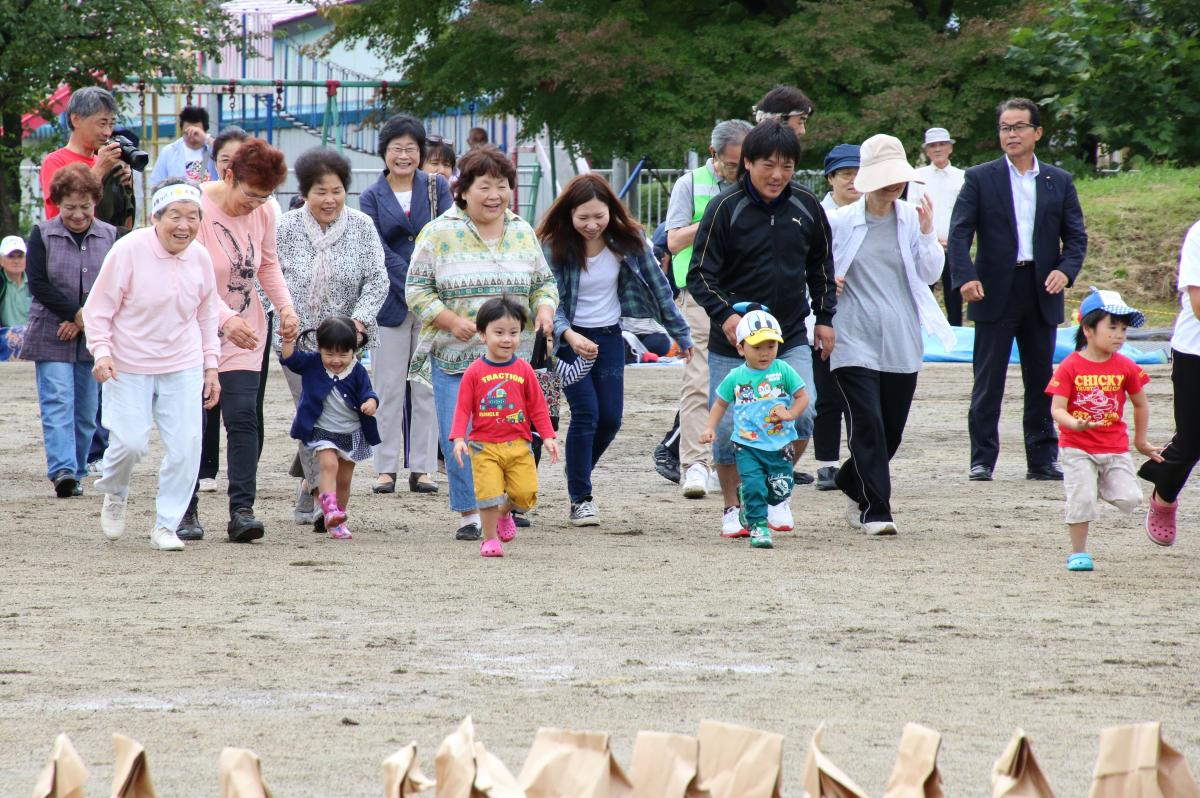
point(827, 427)
point(210, 448)
point(1183, 451)
point(1035, 339)
point(952, 297)
point(239, 392)
point(876, 405)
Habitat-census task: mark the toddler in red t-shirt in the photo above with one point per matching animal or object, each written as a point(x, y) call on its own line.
point(1089, 389)
point(499, 398)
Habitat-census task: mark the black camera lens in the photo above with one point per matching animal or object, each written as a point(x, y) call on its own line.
point(130, 154)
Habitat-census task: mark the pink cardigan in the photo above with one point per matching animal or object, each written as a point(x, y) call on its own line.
point(153, 312)
point(243, 252)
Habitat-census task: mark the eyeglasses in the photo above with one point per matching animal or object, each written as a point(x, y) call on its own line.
point(409, 150)
point(259, 198)
point(1020, 127)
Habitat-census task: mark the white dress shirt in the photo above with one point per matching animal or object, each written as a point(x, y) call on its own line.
point(942, 186)
point(1024, 191)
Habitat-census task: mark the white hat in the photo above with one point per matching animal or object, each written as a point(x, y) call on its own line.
point(882, 162)
point(937, 135)
point(758, 326)
point(12, 244)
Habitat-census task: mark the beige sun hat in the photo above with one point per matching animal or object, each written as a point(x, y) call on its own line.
point(883, 163)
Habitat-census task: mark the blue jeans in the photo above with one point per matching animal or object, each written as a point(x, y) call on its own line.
point(68, 397)
point(445, 398)
point(596, 405)
point(719, 366)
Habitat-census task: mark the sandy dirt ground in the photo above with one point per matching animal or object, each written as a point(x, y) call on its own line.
point(326, 656)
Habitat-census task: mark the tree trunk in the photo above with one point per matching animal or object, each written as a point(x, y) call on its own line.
point(10, 173)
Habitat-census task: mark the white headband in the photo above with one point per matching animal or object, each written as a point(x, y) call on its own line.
point(759, 116)
point(175, 192)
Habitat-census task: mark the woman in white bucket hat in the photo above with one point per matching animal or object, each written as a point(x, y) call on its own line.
point(885, 254)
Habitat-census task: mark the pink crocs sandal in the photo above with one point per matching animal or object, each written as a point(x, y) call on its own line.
point(491, 548)
point(1160, 521)
point(506, 527)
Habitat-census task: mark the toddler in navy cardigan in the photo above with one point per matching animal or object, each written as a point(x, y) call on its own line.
point(335, 415)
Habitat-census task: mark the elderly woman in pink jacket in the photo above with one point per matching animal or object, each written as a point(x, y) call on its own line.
point(151, 319)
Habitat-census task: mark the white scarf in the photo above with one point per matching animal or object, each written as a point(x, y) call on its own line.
point(323, 242)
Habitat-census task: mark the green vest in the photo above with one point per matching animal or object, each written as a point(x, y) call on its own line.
point(704, 188)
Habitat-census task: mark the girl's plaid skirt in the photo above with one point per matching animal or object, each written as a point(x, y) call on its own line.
point(351, 446)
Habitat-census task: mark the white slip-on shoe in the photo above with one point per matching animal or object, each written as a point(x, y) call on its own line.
point(853, 514)
point(879, 528)
point(779, 517)
point(112, 516)
point(207, 486)
point(695, 481)
point(714, 481)
point(165, 540)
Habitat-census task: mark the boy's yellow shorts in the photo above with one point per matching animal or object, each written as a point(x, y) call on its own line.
point(504, 469)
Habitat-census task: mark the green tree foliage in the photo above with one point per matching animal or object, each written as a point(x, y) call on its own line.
point(1125, 73)
point(45, 43)
point(626, 77)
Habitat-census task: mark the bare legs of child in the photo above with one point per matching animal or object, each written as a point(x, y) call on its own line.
point(334, 487)
point(498, 523)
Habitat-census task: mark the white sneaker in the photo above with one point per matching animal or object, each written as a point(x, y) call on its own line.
point(112, 516)
point(695, 481)
point(714, 482)
point(779, 517)
point(208, 486)
point(585, 514)
point(853, 514)
point(731, 524)
point(93, 468)
point(879, 528)
point(165, 540)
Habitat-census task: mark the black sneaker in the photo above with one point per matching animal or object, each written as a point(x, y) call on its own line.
point(802, 478)
point(827, 478)
point(190, 528)
point(78, 490)
point(468, 532)
point(666, 464)
point(64, 483)
point(520, 519)
point(243, 526)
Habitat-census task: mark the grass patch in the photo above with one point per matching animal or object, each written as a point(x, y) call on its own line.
point(1136, 222)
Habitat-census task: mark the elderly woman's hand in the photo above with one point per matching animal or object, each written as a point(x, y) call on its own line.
point(925, 214)
point(68, 331)
point(242, 334)
point(104, 370)
point(544, 321)
point(212, 389)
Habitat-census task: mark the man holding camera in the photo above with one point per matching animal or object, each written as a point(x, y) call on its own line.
point(91, 114)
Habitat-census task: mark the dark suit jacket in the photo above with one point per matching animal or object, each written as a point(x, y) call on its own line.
point(984, 209)
point(398, 231)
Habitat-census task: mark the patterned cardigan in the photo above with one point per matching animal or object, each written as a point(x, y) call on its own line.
point(453, 269)
point(357, 287)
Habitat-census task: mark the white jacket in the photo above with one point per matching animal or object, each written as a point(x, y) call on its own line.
point(923, 258)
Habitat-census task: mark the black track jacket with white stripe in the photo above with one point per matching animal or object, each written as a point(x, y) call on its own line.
point(747, 250)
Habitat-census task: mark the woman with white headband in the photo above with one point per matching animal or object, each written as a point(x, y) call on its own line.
point(151, 319)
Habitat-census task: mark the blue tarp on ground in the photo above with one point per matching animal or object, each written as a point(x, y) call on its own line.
point(965, 343)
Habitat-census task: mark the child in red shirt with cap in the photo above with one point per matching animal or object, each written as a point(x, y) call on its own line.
point(1089, 389)
point(498, 398)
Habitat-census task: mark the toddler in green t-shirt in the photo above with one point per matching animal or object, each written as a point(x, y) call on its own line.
point(767, 397)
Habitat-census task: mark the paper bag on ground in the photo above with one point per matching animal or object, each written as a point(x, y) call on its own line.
point(401, 776)
point(1016, 773)
point(822, 778)
point(737, 762)
point(454, 762)
point(664, 765)
point(915, 774)
point(131, 774)
point(492, 778)
point(241, 775)
point(1134, 760)
point(64, 775)
point(570, 764)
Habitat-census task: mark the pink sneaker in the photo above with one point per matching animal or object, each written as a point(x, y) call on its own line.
point(333, 514)
point(506, 527)
point(491, 548)
point(340, 532)
point(1160, 521)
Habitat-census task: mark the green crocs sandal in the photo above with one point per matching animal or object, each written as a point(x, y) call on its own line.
point(1081, 561)
point(760, 537)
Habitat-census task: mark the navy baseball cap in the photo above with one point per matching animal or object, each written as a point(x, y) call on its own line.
point(843, 156)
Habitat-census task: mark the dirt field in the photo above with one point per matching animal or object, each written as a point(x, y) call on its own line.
point(326, 656)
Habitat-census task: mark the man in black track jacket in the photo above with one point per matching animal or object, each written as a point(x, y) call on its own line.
point(761, 241)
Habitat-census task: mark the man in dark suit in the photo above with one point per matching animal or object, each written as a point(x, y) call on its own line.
point(1031, 237)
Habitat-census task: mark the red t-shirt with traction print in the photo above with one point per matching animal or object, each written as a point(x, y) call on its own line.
point(499, 400)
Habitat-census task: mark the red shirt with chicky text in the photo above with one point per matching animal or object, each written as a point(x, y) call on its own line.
point(499, 400)
point(1096, 392)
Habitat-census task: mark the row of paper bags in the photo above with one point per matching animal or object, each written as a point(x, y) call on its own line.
point(722, 761)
